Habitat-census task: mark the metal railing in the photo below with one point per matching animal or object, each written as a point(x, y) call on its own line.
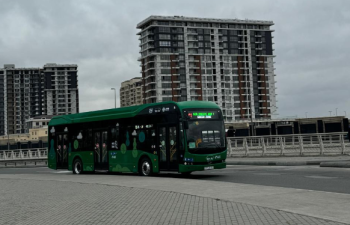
point(23, 154)
point(289, 145)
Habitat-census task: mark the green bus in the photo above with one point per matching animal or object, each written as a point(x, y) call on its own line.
point(145, 139)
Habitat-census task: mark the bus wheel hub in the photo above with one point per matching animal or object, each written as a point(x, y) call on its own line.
point(146, 168)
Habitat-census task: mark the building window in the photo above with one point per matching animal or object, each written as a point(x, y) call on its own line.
point(164, 43)
point(166, 85)
point(164, 36)
point(165, 57)
point(166, 50)
point(165, 71)
point(167, 99)
point(164, 29)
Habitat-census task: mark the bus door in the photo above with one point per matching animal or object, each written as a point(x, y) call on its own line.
point(62, 150)
point(100, 150)
point(168, 146)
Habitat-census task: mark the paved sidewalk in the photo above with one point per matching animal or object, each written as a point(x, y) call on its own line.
point(26, 201)
point(287, 161)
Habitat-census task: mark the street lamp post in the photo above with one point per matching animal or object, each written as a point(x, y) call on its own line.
point(330, 113)
point(306, 114)
point(8, 134)
point(345, 113)
point(251, 117)
point(115, 97)
point(336, 111)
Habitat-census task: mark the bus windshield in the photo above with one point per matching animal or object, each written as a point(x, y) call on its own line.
point(205, 136)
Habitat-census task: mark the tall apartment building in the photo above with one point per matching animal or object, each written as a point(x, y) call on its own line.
point(131, 92)
point(29, 92)
point(61, 89)
point(227, 61)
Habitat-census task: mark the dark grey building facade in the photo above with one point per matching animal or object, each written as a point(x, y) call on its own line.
point(30, 92)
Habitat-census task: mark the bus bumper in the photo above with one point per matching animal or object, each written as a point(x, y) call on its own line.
point(190, 168)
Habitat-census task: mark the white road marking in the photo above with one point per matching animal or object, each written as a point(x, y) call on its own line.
point(62, 171)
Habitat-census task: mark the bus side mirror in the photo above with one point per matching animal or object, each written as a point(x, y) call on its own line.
point(185, 125)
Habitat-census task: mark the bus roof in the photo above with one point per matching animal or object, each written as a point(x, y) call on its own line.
point(125, 112)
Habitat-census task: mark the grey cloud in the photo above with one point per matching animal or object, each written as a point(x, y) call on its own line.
point(311, 44)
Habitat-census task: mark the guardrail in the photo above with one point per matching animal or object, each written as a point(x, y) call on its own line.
point(289, 145)
point(23, 154)
point(276, 145)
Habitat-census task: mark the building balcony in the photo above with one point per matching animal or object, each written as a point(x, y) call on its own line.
point(150, 90)
point(151, 97)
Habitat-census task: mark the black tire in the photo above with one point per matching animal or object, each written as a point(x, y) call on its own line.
point(145, 168)
point(77, 166)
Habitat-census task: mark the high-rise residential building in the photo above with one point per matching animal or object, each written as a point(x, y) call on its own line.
point(131, 92)
point(61, 89)
point(30, 92)
point(228, 61)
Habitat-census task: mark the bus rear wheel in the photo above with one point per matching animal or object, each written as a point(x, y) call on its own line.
point(77, 166)
point(145, 167)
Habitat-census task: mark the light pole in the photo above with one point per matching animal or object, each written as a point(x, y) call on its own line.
point(345, 113)
point(330, 113)
point(336, 111)
point(8, 133)
point(306, 114)
point(115, 97)
point(251, 116)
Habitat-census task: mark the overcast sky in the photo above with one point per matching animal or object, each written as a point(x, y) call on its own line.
point(311, 44)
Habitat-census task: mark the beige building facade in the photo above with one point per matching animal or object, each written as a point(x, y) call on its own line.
point(34, 135)
point(37, 130)
point(131, 92)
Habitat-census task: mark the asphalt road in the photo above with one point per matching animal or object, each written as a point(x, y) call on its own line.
point(302, 177)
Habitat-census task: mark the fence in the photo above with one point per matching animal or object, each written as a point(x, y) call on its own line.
point(23, 154)
point(23, 145)
point(289, 145)
point(277, 145)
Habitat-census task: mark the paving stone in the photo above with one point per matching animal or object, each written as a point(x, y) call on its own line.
point(60, 202)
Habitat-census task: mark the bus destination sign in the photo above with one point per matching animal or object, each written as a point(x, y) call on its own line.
point(202, 115)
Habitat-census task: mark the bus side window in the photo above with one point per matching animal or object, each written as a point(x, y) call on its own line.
point(114, 138)
point(88, 140)
point(153, 138)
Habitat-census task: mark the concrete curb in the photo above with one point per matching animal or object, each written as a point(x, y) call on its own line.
point(336, 164)
point(274, 163)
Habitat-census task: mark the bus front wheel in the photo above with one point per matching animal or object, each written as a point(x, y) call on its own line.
point(77, 166)
point(145, 167)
